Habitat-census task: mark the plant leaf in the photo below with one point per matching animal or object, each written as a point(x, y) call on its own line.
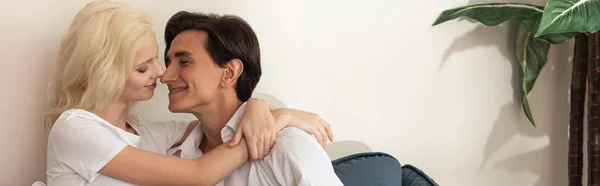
point(557, 38)
point(564, 16)
point(532, 54)
point(492, 14)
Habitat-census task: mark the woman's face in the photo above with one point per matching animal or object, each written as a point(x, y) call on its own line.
point(141, 83)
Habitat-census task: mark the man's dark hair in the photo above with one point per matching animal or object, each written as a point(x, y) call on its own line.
point(229, 37)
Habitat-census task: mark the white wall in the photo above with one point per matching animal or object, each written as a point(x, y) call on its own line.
point(440, 98)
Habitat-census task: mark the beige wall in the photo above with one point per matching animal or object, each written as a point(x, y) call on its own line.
point(440, 98)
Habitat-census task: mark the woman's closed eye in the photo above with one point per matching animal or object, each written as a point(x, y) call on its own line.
point(142, 70)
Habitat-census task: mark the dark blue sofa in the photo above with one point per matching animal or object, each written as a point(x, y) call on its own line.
point(378, 169)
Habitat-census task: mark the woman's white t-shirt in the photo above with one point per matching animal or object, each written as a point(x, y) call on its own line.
point(81, 143)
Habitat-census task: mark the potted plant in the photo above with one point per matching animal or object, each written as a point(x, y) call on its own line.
point(540, 27)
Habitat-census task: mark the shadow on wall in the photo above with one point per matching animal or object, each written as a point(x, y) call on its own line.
point(548, 101)
point(480, 37)
point(550, 107)
point(27, 108)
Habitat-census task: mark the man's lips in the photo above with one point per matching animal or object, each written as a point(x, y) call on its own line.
point(175, 90)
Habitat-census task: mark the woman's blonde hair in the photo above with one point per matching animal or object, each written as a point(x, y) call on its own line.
point(96, 57)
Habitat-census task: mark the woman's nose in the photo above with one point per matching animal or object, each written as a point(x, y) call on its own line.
point(159, 70)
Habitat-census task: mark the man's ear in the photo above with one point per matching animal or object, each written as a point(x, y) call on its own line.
point(233, 70)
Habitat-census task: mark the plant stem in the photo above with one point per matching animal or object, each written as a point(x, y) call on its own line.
point(578, 85)
point(593, 110)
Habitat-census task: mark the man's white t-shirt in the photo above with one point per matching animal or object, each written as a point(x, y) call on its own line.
point(81, 143)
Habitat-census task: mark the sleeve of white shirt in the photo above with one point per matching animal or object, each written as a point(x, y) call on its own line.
point(298, 159)
point(85, 145)
point(170, 132)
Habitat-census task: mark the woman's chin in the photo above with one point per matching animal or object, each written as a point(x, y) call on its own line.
point(148, 97)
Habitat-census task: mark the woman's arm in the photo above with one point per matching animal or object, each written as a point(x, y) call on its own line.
point(262, 121)
point(308, 122)
point(146, 168)
point(90, 148)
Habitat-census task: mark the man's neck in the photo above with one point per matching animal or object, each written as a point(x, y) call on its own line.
point(213, 117)
point(116, 114)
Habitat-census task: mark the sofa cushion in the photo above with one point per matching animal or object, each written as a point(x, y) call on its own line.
point(369, 168)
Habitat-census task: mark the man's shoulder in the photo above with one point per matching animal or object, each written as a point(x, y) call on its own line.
point(293, 134)
point(292, 139)
point(298, 159)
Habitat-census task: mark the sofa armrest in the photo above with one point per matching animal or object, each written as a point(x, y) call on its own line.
point(412, 176)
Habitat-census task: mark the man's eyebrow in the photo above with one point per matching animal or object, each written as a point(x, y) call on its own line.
point(182, 53)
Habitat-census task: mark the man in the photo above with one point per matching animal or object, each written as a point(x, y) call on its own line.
point(213, 65)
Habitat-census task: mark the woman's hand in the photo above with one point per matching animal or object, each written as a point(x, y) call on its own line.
point(262, 121)
point(309, 122)
point(258, 127)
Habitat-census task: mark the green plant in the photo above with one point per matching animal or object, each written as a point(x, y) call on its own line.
point(539, 28)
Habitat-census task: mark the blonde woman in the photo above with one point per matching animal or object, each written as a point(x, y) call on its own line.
point(107, 62)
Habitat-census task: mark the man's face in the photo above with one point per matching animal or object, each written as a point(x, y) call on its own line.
point(192, 76)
